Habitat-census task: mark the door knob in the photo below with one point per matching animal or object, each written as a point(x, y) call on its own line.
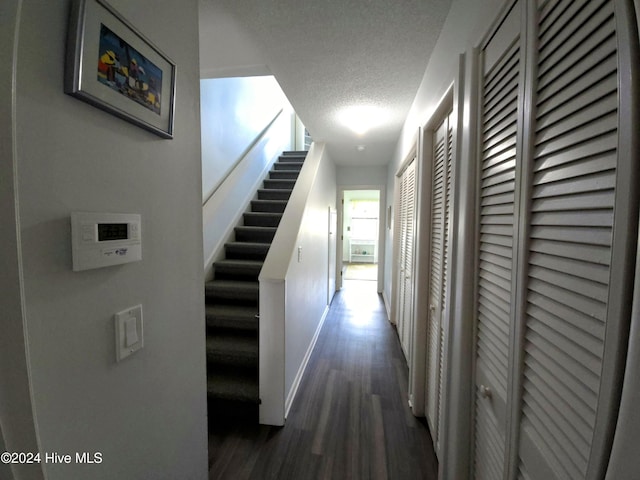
point(485, 392)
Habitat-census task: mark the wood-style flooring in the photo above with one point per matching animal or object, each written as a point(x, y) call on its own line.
point(350, 418)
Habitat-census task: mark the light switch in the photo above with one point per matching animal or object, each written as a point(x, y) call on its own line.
point(129, 331)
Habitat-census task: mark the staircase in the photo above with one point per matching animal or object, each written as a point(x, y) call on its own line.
point(232, 297)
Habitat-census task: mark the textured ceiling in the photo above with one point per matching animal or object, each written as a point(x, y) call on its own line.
point(332, 54)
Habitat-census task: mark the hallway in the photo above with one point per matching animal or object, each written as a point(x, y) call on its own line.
point(350, 419)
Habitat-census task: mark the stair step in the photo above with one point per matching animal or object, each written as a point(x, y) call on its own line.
point(279, 184)
point(298, 154)
point(232, 269)
point(273, 194)
point(233, 350)
point(262, 219)
point(255, 234)
point(283, 174)
point(246, 250)
point(231, 385)
point(297, 166)
point(232, 291)
point(232, 317)
point(272, 206)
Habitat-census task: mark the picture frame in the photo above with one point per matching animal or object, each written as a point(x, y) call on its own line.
point(113, 66)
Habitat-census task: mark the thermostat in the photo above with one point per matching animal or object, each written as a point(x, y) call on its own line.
point(105, 239)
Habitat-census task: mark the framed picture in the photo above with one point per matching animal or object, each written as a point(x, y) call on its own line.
point(113, 66)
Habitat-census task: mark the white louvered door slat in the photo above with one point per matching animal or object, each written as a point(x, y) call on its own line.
point(501, 64)
point(409, 265)
point(407, 232)
point(445, 271)
point(571, 232)
point(558, 213)
point(401, 233)
point(438, 194)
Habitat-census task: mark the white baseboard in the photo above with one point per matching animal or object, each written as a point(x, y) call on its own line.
point(303, 366)
point(387, 305)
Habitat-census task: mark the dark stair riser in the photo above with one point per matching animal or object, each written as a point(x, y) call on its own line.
point(283, 175)
point(246, 251)
point(273, 194)
point(262, 219)
point(297, 166)
point(223, 291)
point(232, 317)
point(279, 184)
point(242, 270)
point(229, 384)
point(253, 234)
point(269, 206)
point(232, 350)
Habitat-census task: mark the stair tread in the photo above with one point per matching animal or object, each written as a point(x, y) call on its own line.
point(231, 386)
point(270, 202)
point(257, 228)
point(239, 262)
point(249, 244)
point(262, 214)
point(236, 345)
point(232, 311)
point(238, 284)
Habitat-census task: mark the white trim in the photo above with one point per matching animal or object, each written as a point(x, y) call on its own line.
point(382, 221)
point(387, 305)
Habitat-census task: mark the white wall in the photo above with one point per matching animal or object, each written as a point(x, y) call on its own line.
point(233, 112)
point(16, 413)
point(226, 47)
point(361, 176)
point(293, 289)
point(306, 280)
point(147, 414)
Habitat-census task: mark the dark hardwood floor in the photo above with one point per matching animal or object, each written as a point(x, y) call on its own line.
point(350, 419)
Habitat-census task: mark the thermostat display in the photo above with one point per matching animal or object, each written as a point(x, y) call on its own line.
point(104, 239)
point(113, 231)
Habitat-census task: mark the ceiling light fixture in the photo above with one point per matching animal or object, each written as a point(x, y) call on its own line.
point(360, 148)
point(360, 119)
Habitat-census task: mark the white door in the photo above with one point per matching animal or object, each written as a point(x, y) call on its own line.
point(333, 245)
point(439, 249)
point(557, 215)
point(406, 270)
point(501, 94)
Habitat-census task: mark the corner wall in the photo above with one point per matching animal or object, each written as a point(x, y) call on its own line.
point(233, 113)
point(147, 414)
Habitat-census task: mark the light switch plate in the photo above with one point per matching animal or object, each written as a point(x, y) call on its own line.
point(129, 331)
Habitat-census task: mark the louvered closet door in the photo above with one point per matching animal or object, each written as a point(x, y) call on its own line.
point(501, 67)
point(575, 172)
point(406, 229)
point(440, 205)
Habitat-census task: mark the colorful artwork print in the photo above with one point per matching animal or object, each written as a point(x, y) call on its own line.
point(122, 68)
